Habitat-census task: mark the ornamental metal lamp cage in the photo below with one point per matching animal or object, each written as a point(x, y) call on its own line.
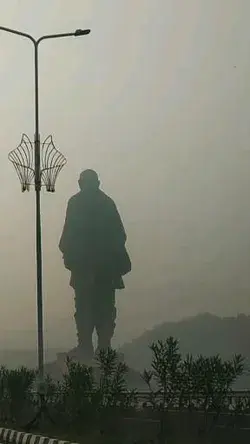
point(51, 163)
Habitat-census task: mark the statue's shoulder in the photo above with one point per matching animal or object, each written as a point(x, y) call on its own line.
point(73, 199)
point(107, 199)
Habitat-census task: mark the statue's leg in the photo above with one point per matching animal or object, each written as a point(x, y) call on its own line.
point(84, 320)
point(105, 315)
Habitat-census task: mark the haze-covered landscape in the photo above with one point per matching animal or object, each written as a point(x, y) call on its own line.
point(149, 102)
point(157, 102)
point(202, 334)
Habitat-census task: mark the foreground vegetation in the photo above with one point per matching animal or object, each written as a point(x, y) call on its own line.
point(195, 392)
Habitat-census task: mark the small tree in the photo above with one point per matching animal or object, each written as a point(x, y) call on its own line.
point(165, 373)
point(193, 383)
point(89, 394)
point(215, 380)
point(3, 394)
point(76, 392)
point(112, 389)
point(166, 376)
point(112, 397)
point(18, 385)
point(188, 383)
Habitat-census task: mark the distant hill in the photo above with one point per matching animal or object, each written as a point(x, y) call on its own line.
point(203, 334)
point(16, 358)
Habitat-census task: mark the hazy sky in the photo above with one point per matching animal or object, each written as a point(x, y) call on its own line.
point(157, 100)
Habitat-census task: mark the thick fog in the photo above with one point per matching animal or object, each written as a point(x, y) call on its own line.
point(157, 100)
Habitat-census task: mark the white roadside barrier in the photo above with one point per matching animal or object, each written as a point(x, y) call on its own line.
point(8, 436)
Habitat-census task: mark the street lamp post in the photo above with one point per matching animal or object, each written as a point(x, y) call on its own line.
point(35, 172)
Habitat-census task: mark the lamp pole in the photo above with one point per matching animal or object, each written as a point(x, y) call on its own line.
point(38, 184)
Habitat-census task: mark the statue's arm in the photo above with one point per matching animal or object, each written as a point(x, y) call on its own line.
point(67, 228)
point(118, 227)
point(118, 235)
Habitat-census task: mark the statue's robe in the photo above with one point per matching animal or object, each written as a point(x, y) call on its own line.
point(93, 239)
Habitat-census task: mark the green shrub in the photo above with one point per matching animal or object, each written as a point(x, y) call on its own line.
point(15, 391)
point(202, 383)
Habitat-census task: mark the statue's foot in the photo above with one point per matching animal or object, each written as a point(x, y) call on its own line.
point(79, 354)
point(83, 354)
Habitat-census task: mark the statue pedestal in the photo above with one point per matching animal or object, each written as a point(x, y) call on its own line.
point(76, 355)
point(58, 368)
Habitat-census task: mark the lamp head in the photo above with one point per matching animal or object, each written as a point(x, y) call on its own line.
point(80, 32)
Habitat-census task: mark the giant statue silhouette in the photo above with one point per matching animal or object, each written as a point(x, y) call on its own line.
point(93, 247)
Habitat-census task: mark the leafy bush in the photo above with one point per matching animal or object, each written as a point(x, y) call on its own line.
point(87, 394)
point(202, 383)
point(99, 395)
point(15, 391)
point(112, 387)
point(165, 373)
point(75, 392)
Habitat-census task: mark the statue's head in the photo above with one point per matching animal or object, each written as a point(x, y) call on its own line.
point(89, 180)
